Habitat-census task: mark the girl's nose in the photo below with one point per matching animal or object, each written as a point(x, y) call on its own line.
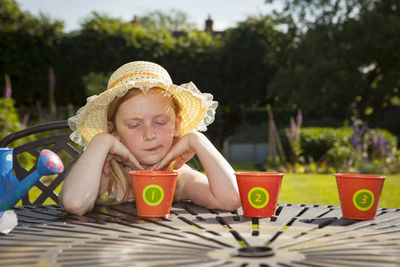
point(148, 134)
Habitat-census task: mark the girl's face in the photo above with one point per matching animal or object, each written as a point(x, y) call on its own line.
point(147, 124)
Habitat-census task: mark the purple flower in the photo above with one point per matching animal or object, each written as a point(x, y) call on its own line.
point(8, 92)
point(52, 77)
point(356, 141)
point(354, 124)
point(289, 134)
point(299, 118)
point(382, 143)
point(25, 120)
point(292, 124)
point(8, 89)
point(375, 140)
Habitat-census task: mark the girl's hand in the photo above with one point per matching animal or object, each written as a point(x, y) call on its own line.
point(181, 151)
point(120, 153)
point(83, 182)
point(217, 189)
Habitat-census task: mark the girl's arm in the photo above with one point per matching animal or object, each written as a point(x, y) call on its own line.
point(218, 189)
point(81, 185)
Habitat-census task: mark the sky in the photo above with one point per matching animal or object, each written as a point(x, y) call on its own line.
point(225, 13)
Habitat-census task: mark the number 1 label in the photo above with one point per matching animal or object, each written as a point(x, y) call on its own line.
point(153, 194)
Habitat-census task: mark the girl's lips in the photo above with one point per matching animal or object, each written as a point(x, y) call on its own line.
point(153, 149)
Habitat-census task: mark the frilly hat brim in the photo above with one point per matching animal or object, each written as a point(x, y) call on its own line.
point(197, 109)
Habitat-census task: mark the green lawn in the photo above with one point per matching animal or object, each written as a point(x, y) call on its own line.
point(307, 189)
point(321, 189)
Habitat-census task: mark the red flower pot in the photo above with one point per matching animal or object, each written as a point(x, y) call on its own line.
point(259, 192)
point(359, 194)
point(154, 192)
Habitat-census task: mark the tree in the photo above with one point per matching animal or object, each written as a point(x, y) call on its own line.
point(27, 48)
point(250, 55)
point(347, 59)
point(172, 20)
point(306, 14)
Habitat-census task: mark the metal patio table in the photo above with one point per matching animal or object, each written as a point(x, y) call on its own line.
point(299, 235)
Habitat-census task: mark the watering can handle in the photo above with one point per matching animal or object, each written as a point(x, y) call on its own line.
point(12, 190)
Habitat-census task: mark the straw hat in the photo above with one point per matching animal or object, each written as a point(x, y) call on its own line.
point(198, 109)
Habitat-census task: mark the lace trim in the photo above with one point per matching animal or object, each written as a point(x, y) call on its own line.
point(101, 102)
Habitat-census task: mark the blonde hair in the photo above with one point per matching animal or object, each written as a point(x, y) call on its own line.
point(119, 175)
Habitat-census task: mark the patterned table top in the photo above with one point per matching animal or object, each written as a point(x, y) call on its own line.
point(299, 235)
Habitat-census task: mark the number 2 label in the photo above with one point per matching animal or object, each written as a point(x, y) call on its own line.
point(258, 197)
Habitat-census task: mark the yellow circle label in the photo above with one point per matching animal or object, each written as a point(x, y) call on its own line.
point(258, 197)
point(363, 199)
point(153, 194)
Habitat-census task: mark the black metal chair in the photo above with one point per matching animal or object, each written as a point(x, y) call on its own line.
point(51, 135)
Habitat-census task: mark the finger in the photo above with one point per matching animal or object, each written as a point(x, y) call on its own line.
point(157, 166)
point(165, 161)
point(106, 169)
point(130, 161)
point(178, 163)
point(154, 167)
point(109, 158)
point(133, 161)
point(125, 156)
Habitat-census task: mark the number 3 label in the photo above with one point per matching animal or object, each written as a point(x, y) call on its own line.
point(363, 199)
point(258, 197)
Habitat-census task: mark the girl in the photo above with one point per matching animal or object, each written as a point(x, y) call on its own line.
point(144, 121)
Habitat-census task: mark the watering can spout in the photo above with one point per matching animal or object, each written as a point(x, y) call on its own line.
point(12, 190)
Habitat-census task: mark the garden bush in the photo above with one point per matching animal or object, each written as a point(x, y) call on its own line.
point(9, 120)
point(316, 141)
point(344, 149)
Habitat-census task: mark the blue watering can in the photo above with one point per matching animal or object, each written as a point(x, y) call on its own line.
point(12, 189)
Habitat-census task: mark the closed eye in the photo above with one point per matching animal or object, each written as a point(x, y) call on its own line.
point(160, 122)
point(134, 125)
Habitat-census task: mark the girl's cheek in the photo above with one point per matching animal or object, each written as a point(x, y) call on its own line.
point(167, 134)
point(131, 139)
